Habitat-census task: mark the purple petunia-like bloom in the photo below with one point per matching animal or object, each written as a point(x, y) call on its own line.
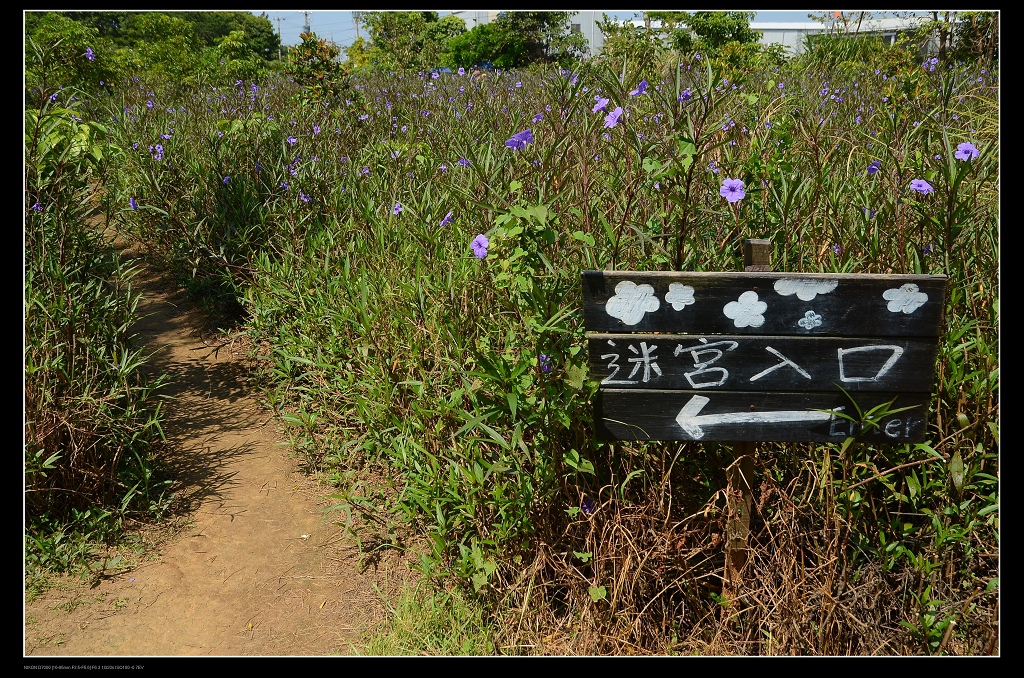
point(89, 54)
point(538, 117)
point(398, 209)
point(544, 362)
point(447, 219)
point(519, 140)
point(921, 186)
point(685, 96)
point(601, 104)
point(612, 118)
point(463, 162)
point(133, 203)
point(292, 140)
point(640, 89)
point(732, 190)
point(874, 166)
point(479, 246)
point(966, 151)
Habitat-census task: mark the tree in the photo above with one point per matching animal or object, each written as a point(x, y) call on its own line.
point(313, 64)
point(417, 41)
point(165, 42)
point(518, 39)
point(976, 37)
point(714, 30)
point(487, 42)
point(357, 55)
point(259, 34)
point(635, 44)
point(544, 36)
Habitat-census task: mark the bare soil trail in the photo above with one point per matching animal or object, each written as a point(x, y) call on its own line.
point(255, 567)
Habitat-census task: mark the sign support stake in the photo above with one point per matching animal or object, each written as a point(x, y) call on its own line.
point(740, 473)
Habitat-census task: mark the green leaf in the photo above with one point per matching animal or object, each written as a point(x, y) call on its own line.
point(597, 593)
point(574, 375)
point(584, 557)
point(956, 471)
point(584, 237)
point(573, 460)
point(913, 485)
point(652, 165)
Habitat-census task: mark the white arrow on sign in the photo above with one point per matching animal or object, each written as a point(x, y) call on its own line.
point(691, 423)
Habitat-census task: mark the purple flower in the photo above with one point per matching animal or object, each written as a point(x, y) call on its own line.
point(149, 104)
point(544, 362)
point(89, 54)
point(685, 96)
point(463, 162)
point(398, 209)
point(966, 151)
point(538, 117)
point(316, 129)
point(612, 118)
point(519, 140)
point(732, 190)
point(640, 89)
point(447, 219)
point(284, 185)
point(836, 248)
point(303, 197)
point(461, 71)
point(921, 186)
point(479, 246)
point(874, 166)
point(292, 140)
point(588, 506)
point(365, 171)
point(133, 203)
point(600, 105)
point(364, 116)
point(37, 207)
point(226, 179)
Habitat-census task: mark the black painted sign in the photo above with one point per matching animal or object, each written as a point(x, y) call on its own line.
point(760, 355)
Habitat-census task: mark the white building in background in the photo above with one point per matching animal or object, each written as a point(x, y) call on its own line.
point(789, 34)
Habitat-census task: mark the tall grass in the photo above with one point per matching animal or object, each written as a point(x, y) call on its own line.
point(91, 418)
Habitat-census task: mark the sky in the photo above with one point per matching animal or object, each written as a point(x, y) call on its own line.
point(337, 25)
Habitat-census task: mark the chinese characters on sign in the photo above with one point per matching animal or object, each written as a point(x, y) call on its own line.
point(759, 356)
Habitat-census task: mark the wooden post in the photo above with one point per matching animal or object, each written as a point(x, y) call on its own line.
point(739, 495)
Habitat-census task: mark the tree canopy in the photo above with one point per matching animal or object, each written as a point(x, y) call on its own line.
point(424, 40)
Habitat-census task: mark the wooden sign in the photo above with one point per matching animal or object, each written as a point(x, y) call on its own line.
point(760, 355)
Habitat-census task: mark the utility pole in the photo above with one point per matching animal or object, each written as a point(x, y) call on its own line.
point(279, 20)
point(305, 27)
point(356, 16)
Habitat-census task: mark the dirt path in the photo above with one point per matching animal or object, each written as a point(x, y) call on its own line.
point(255, 569)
